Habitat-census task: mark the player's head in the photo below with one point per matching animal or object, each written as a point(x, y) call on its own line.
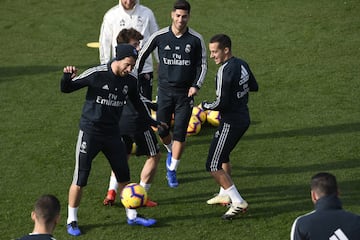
point(130, 36)
point(128, 4)
point(220, 48)
point(125, 59)
point(323, 184)
point(180, 15)
point(46, 210)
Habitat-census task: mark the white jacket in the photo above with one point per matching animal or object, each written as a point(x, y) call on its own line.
point(117, 18)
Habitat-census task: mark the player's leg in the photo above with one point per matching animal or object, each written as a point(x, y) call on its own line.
point(148, 146)
point(164, 114)
point(115, 152)
point(221, 146)
point(183, 110)
point(213, 166)
point(113, 183)
point(87, 148)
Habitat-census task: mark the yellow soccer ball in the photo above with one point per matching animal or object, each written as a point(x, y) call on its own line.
point(199, 113)
point(133, 196)
point(194, 126)
point(213, 117)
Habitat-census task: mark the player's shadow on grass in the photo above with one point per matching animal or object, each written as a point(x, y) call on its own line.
point(276, 200)
point(8, 73)
point(312, 131)
point(247, 171)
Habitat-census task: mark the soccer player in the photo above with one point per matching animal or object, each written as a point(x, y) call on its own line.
point(234, 80)
point(128, 14)
point(134, 129)
point(182, 70)
point(46, 215)
point(328, 220)
point(109, 86)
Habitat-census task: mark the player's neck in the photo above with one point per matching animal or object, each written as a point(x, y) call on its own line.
point(40, 229)
point(178, 32)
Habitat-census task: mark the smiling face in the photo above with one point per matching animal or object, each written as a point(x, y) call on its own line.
point(180, 19)
point(219, 55)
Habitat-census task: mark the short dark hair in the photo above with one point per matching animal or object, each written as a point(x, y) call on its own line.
point(126, 34)
point(223, 40)
point(324, 184)
point(47, 207)
point(183, 5)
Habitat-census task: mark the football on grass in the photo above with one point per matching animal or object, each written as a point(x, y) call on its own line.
point(133, 196)
point(194, 126)
point(199, 113)
point(213, 117)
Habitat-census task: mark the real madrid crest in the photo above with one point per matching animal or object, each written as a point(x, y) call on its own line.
point(188, 48)
point(125, 90)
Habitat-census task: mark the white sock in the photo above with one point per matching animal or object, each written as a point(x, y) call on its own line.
point(113, 184)
point(145, 185)
point(131, 213)
point(234, 194)
point(72, 214)
point(169, 146)
point(174, 164)
point(222, 191)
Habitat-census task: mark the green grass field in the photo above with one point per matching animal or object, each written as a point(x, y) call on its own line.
point(305, 117)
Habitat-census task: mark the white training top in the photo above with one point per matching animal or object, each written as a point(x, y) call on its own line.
point(117, 18)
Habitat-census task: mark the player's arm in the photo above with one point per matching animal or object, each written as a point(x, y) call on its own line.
point(223, 90)
point(154, 27)
point(148, 103)
point(201, 65)
point(145, 51)
point(143, 111)
point(295, 233)
point(70, 82)
point(253, 85)
point(105, 41)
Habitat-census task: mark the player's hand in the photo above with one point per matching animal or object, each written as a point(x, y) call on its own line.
point(71, 69)
point(192, 91)
point(162, 126)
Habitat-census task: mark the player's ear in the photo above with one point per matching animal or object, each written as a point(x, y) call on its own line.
point(314, 196)
point(57, 220)
point(33, 216)
point(226, 50)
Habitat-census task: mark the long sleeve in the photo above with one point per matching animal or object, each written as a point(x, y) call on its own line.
point(141, 108)
point(201, 65)
point(68, 85)
point(145, 52)
point(105, 41)
point(223, 90)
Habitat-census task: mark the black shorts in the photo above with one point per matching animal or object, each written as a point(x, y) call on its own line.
point(146, 143)
point(88, 146)
point(145, 83)
point(178, 103)
point(225, 139)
